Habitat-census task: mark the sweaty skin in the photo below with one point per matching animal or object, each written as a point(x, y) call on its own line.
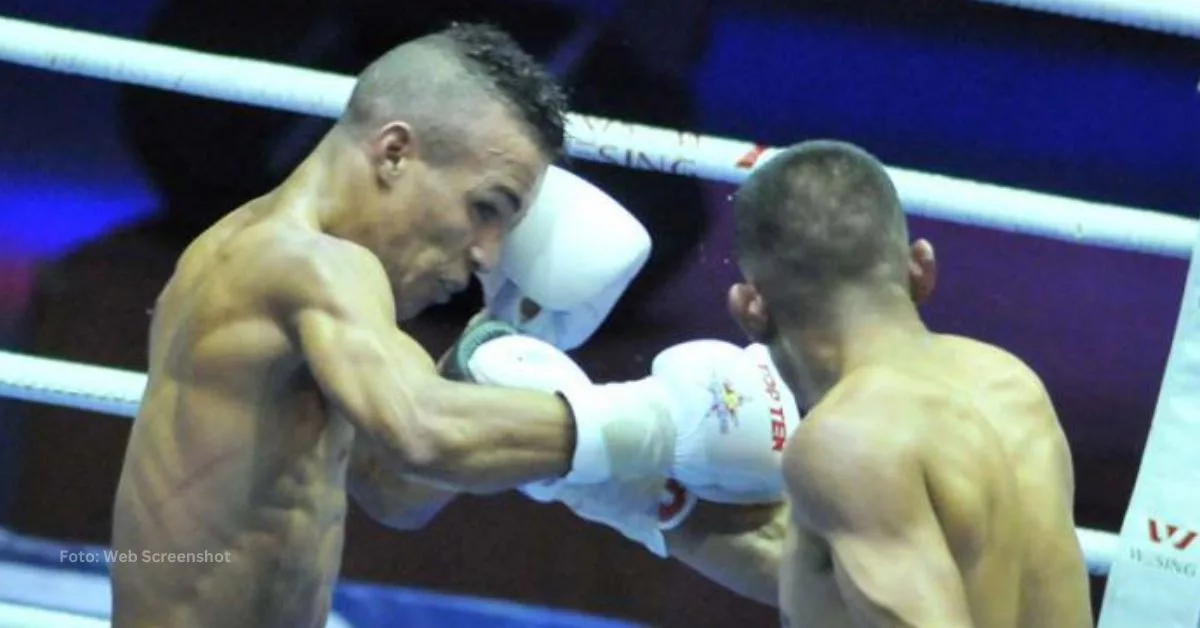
point(933, 488)
point(273, 349)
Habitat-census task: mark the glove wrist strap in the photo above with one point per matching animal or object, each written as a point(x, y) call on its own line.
point(590, 462)
point(629, 422)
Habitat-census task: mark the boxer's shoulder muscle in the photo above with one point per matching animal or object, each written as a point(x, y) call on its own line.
point(335, 276)
point(1036, 463)
point(857, 480)
point(1009, 399)
point(267, 270)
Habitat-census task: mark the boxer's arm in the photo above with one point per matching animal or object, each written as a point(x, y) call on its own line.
point(859, 486)
point(737, 547)
point(461, 436)
point(386, 494)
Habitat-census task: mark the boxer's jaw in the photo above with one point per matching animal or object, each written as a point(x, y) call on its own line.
point(861, 324)
point(749, 311)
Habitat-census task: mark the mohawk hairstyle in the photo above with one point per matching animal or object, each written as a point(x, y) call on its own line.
point(438, 83)
point(517, 78)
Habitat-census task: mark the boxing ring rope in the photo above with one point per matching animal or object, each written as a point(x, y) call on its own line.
point(271, 85)
point(311, 92)
point(1173, 17)
point(15, 615)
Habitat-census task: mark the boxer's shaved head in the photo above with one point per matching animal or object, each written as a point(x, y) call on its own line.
point(819, 216)
point(441, 83)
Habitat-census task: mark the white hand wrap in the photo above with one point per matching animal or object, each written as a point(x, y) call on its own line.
point(574, 254)
point(622, 431)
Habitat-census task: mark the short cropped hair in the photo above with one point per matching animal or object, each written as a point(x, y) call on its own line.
point(818, 216)
point(429, 81)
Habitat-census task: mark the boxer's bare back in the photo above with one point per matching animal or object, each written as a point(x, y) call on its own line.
point(235, 465)
point(954, 499)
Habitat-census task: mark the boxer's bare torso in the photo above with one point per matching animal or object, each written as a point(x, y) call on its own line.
point(235, 465)
point(977, 426)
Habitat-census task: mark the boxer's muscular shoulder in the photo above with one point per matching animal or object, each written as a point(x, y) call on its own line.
point(863, 417)
point(334, 275)
point(988, 368)
point(866, 397)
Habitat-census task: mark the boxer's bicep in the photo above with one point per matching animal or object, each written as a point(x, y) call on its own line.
point(337, 306)
point(369, 380)
point(863, 492)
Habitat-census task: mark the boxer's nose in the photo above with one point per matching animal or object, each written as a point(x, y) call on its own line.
point(485, 255)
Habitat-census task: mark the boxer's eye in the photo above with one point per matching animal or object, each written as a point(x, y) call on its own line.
point(486, 211)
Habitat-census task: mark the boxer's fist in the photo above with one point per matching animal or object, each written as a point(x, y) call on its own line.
point(733, 417)
point(566, 264)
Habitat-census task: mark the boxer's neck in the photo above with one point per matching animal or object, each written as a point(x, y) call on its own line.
point(322, 190)
point(860, 326)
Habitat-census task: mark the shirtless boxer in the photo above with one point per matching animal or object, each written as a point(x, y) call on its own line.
point(278, 378)
point(930, 483)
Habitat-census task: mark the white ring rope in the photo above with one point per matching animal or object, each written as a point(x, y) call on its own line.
point(112, 391)
point(637, 146)
point(1174, 17)
point(70, 384)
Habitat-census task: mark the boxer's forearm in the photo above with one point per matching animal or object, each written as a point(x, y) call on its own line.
point(736, 547)
point(457, 436)
point(487, 439)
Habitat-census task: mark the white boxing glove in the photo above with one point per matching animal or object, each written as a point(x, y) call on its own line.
point(744, 404)
point(711, 415)
point(734, 453)
point(573, 255)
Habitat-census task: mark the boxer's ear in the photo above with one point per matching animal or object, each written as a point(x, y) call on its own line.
point(391, 146)
point(922, 271)
point(748, 309)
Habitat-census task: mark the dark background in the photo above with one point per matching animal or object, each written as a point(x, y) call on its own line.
point(102, 185)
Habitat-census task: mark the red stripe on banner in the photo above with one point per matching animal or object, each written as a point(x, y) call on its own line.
point(748, 160)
